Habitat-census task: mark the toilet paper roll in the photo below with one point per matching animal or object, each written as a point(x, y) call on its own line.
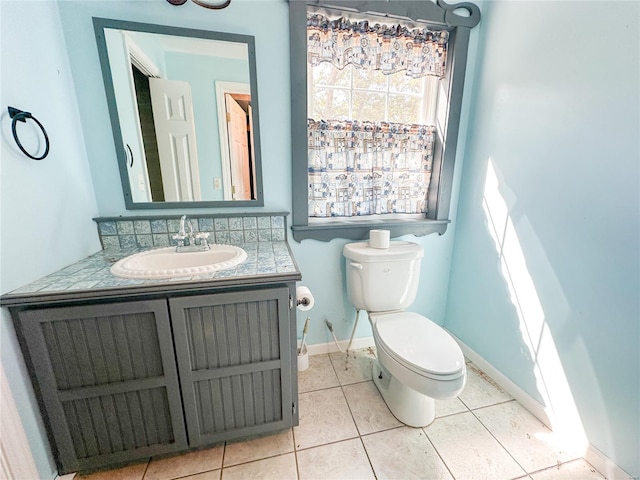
point(379, 238)
point(304, 298)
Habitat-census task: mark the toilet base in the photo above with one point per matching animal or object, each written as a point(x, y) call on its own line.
point(407, 405)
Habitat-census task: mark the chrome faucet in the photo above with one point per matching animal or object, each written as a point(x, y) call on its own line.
point(185, 221)
point(194, 242)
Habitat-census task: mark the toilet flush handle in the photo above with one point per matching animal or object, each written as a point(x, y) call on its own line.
point(356, 265)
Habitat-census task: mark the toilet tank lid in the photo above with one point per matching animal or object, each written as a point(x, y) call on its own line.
point(398, 250)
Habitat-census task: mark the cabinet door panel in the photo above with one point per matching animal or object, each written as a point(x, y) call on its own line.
point(107, 380)
point(234, 359)
point(238, 401)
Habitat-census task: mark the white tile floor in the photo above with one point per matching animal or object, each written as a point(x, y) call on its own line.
point(347, 432)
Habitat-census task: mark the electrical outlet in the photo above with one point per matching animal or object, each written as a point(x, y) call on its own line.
point(217, 183)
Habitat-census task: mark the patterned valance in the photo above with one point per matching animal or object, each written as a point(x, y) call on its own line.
point(366, 168)
point(388, 48)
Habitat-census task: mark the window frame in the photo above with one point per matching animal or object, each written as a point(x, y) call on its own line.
point(436, 220)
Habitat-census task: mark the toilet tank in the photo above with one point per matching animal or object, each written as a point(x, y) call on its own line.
point(382, 279)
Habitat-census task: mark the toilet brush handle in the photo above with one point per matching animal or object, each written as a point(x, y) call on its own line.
point(304, 334)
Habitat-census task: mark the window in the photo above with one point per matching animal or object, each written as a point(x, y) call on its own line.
point(370, 95)
point(409, 191)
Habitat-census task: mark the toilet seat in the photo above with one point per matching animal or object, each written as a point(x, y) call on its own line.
point(418, 344)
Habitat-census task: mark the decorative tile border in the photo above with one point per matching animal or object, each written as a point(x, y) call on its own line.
point(156, 231)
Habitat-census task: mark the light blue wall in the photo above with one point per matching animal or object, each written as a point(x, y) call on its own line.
point(321, 263)
point(47, 206)
point(556, 116)
point(202, 72)
point(540, 101)
point(260, 18)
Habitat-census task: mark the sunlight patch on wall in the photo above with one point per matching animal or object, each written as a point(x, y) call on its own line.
point(551, 382)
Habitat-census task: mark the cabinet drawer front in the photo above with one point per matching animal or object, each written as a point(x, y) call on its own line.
point(234, 359)
point(107, 379)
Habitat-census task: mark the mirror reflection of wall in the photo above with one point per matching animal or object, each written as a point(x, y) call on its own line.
point(184, 107)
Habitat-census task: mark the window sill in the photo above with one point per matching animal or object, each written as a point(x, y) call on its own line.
point(359, 229)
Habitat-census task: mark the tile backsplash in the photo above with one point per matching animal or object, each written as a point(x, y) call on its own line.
point(156, 231)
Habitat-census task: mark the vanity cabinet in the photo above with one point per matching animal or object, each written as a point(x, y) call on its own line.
point(124, 380)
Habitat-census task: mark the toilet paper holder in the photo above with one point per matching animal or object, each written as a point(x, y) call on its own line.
point(304, 298)
point(303, 301)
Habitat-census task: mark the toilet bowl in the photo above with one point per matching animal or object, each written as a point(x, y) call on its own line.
point(417, 360)
point(421, 363)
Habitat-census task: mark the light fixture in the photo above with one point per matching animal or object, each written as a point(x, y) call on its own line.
point(212, 4)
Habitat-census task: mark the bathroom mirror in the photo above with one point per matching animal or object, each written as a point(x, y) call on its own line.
point(184, 113)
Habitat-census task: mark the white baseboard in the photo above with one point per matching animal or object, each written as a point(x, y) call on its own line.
point(526, 400)
point(605, 465)
point(595, 457)
point(330, 347)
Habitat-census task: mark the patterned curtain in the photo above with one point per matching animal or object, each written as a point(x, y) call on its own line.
point(389, 49)
point(365, 168)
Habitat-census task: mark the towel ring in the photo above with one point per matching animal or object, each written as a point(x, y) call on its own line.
point(19, 115)
point(203, 3)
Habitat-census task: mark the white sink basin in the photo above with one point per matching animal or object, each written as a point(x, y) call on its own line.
point(167, 263)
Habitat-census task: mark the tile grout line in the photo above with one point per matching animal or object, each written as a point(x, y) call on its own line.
point(368, 457)
point(360, 435)
point(565, 463)
point(146, 469)
point(496, 438)
point(424, 430)
point(224, 452)
point(293, 436)
point(528, 473)
point(375, 476)
point(473, 410)
point(247, 462)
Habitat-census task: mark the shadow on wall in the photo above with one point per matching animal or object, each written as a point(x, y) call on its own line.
point(550, 379)
point(545, 270)
point(517, 298)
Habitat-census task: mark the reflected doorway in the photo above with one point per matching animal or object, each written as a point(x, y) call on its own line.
point(148, 128)
point(236, 140)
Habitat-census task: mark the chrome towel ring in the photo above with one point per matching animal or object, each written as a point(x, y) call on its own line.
point(19, 115)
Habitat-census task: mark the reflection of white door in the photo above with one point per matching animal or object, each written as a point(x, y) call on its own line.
point(238, 149)
point(175, 130)
point(236, 90)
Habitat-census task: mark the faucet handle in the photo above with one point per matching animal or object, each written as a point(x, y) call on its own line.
point(203, 237)
point(179, 239)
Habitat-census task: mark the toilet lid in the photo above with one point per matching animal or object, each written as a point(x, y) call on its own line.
point(418, 342)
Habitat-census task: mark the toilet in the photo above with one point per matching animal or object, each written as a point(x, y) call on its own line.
point(418, 361)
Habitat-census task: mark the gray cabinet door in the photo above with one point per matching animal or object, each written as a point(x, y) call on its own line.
point(107, 379)
point(234, 359)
